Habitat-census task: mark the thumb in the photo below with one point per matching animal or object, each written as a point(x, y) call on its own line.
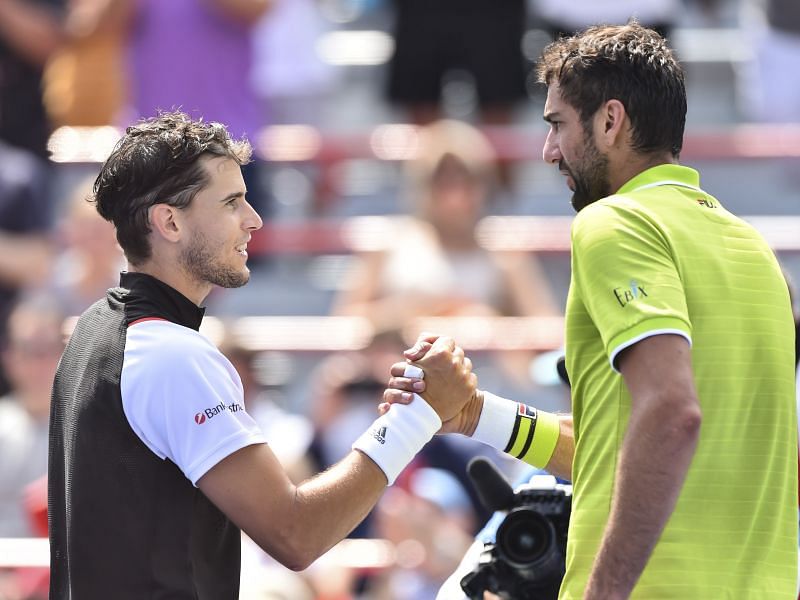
point(418, 350)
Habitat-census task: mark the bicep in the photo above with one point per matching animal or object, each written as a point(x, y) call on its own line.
point(658, 370)
point(252, 489)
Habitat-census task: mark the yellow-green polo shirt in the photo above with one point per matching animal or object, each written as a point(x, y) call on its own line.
point(663, 256)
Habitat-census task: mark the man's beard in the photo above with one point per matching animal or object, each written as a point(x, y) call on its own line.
point(591, 183)
point(200, 262)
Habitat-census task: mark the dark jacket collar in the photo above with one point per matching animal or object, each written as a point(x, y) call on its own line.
point(145, 297)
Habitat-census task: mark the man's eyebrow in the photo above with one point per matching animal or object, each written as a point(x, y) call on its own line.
point(549, 117)
point(232, 196)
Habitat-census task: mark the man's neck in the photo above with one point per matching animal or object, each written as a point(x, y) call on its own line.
point(632, 164)
point(174, 278)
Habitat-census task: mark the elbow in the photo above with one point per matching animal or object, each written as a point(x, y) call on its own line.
point(687, 422)
point(292, 562)
point(298, 559)
point(292, 549)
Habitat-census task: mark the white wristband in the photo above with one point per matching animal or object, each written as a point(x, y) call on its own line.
point(394, 439)
point(496, 421)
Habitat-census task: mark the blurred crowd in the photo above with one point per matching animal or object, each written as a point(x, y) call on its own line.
point(255, 63)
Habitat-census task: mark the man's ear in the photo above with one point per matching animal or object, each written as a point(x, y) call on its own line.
point(164, 221)
point(612, 123)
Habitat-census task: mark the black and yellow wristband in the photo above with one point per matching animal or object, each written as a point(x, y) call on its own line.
point(533, 436)
point(519, 430)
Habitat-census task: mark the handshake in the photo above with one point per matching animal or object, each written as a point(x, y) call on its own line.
point(449, 385)
point(450, 403)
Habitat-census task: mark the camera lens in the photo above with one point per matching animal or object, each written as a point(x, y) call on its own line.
point(525, 536)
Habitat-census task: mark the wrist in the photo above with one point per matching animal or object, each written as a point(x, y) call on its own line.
point(517, 429)
point(394, 439)
point(472, 413)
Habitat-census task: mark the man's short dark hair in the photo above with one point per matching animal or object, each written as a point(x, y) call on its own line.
point(157, 161)
point(629, 63)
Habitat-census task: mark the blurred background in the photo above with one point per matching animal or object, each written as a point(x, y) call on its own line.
point(398, 170)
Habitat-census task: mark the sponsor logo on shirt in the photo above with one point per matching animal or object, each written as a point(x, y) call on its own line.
point(707, 202)
point(627, 295)
point(380, 434)
point(210, 413)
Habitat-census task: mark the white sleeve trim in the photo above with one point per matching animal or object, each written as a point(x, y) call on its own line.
point(226, 447)
point(642, 336)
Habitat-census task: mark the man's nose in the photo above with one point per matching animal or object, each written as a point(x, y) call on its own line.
point(252, 219)
point(551, 153)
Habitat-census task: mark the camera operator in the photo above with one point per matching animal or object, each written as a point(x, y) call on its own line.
point(682, 443)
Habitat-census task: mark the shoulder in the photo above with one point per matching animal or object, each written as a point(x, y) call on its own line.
point(160, 345)
point(614, 217)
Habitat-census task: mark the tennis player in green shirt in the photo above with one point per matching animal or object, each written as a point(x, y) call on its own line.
point(682, 442)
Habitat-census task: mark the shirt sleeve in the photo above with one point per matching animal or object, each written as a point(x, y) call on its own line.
point(183, 398)
point(627, 277)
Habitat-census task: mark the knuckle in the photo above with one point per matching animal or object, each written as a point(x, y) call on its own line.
point(398, 368)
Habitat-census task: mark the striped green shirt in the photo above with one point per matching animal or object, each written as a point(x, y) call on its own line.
point(662, 256)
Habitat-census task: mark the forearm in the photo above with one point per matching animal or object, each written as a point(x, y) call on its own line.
point(650, 475)
point(330, 505)
point(560, 463)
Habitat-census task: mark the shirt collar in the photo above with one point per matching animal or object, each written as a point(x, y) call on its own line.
point(666, 174)
point(145, 296)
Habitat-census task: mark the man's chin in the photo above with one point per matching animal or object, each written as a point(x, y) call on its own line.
point(233, 280)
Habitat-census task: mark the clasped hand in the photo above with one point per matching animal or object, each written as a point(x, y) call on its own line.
point(449, 386)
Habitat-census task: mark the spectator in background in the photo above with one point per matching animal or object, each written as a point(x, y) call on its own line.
point(288, 75)
point(436, 40)
point(196, 55)
point(90, 260)
point(768, 83)
point(25, 222)
point(30, 355)
point(86, 80)
point(434, 265)
point(565, 18)
point(30, 31)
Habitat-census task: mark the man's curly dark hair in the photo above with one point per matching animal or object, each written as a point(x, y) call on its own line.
point(157, 161)
point(629, 63)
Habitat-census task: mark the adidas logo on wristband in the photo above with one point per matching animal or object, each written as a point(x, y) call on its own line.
point(412, 426)
point(380, 434)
